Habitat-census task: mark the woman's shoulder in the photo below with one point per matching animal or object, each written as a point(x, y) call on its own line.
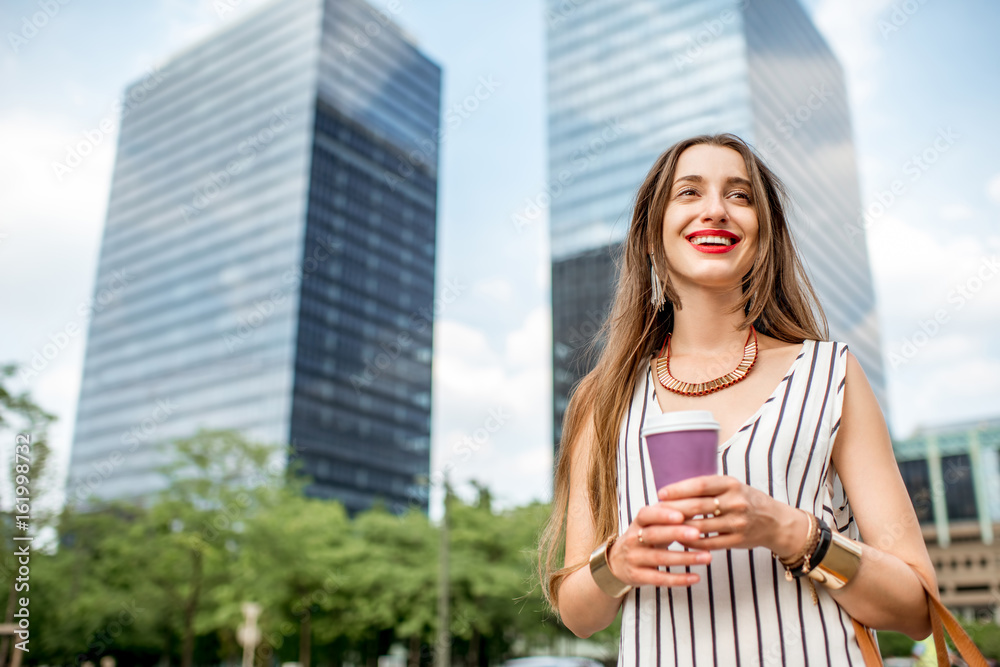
point(765, 343)
point(777, 353)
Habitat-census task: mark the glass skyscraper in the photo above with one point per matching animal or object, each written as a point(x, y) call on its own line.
point(627, 80)
point(273, 207)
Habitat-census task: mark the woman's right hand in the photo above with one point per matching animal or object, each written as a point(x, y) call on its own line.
point(638, 553)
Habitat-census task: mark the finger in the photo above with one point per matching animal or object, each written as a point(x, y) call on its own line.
point(661, 536)
point(671, 557)
point(692, 507)
point(710, 524)
point(716, 542)
point(706, 485)
point(654, 577)
point(659, 513)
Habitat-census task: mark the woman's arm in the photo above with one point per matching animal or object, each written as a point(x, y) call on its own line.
point(583, 607)
point(886, 593)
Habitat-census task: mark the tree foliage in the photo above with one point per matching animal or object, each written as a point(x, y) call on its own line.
point(166, 579)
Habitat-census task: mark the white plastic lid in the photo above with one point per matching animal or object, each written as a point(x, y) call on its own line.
point(684, 420)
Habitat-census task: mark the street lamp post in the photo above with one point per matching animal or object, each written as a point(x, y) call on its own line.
point(248, 634)
point(442, 656)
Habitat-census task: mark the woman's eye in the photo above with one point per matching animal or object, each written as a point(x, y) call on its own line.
point(744, 195)
point(686, 191)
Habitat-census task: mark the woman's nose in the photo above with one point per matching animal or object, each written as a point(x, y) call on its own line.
point(715, 208)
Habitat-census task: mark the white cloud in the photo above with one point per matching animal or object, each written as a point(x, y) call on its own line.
point(48, 254)
point(957, 212)
point(916, 270)
point(530, 345)
point(32, 191)
point(454, 341)
point(993, 188)
point(954, 377)
point(940, 305)
point(492, 411)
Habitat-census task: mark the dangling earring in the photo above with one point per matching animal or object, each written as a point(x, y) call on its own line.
point(657, 298)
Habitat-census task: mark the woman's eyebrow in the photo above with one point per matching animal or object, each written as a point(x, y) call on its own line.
point(732, 180)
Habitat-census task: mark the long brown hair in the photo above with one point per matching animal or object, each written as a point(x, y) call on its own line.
point(777, 299)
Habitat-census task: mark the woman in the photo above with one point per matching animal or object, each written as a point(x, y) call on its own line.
point(715, 569)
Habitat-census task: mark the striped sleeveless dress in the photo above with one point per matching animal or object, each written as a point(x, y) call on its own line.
point(742, 611)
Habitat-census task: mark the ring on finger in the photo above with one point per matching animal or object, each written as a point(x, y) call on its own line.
point(641, 541)
point(718, 507)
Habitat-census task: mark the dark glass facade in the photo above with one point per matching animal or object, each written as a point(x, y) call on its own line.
point(576, 319)
point(272, 211)
point(959, 493)
point(952, 474)
point(916, 477)
point(361, 397)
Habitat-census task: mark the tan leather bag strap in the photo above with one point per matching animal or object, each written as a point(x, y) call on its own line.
point(867, 643)
point(941, 621)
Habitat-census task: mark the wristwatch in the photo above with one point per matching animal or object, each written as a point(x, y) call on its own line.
point(601, 571)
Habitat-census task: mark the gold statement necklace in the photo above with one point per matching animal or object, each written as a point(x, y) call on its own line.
point(670, 383)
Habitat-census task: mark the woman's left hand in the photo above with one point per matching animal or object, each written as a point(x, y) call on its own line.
point(732, 515)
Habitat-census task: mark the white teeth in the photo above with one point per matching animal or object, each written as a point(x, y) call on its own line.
point(717, 240)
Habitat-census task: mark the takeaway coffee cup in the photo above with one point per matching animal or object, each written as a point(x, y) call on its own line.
point(681, 445)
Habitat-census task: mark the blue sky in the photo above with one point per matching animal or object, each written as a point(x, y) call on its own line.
point(917, 71)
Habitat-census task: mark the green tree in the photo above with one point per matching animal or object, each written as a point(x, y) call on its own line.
point(291, 561)
point(496, 593)
point(87, 595)
point(986, 636)
point(392, 574)
point(183, 547)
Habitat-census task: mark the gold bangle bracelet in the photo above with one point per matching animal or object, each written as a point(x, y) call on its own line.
point(602, 574)
point(840, 563)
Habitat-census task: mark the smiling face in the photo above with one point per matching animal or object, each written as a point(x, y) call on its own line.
point(710, 225)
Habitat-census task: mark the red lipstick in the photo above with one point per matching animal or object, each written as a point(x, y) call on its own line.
point(716, 242)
